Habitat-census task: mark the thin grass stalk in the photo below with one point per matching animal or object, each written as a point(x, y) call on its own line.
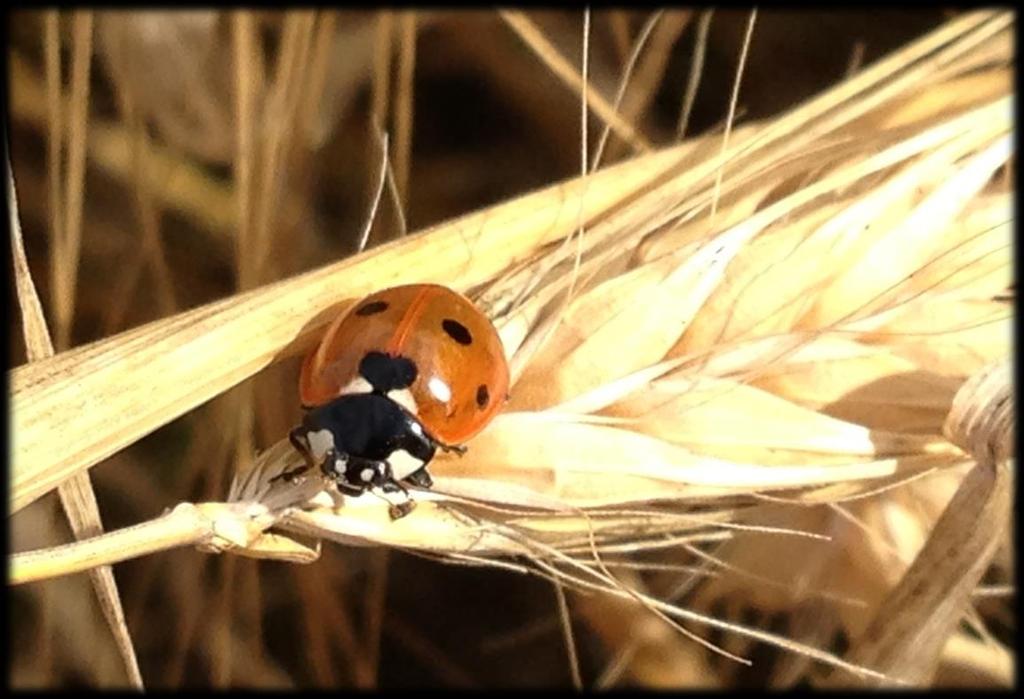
point(74, 186)
point(76, 494)
point(404, 104)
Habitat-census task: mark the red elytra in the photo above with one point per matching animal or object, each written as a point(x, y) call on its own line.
point(462, 375)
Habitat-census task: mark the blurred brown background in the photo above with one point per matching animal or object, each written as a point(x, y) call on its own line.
point(489, 121)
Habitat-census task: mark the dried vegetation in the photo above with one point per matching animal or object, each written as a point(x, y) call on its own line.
point(760, 429)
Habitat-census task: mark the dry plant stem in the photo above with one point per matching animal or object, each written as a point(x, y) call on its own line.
point(66, 252)
point(76, 494)
point(278, 126)
point(382, 48)
point(106, 395)
point(249, 86)
point(912, 626)
point(696, 71)
point(627, 72)
point(396, 199)
point(570, 641)
point(535, 39)
point(153, 252)
point(55, 135)
point(732, 107)
point(404, 104)
point(327, 21)
point(381, 178)
point(213, 527)
point(651, 69)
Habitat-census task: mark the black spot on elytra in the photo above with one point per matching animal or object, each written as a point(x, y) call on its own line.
point(482, 396)
point(386, 373)
point(369, 309)
point(457, 331)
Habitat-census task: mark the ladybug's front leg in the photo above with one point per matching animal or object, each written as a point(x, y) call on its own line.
point(378, 474)
point(459, 449)
point(337, 466)
point(298, 439)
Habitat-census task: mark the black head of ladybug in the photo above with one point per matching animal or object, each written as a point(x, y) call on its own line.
point(386, 373)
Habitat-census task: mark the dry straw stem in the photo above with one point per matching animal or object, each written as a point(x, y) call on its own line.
point(913, 625)
point(76, 494)
point(700, 368)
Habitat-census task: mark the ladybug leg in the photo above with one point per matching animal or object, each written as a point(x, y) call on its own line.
point(301, 446)
point(378, 474)
point(292, 475)
point(400, 509)
point(338, 467)
point(459, 449)
point(397, 511)
point(420, 478)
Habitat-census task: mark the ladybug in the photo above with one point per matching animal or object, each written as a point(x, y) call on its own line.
point(405, 372)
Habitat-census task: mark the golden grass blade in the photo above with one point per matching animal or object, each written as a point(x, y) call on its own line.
point(95, 393)
point(526, 448)
point(834, 239)
point(722, 416)
point(869, 386)
point(878, 274)
point(76, 494)
point(603, 337)
point(33, 321)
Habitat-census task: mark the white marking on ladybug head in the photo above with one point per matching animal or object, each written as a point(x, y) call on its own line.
point(404, 398)
point(366, 475)
point(403, 464)
point(439, 389)
point(320, 442)
point(356, 385)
